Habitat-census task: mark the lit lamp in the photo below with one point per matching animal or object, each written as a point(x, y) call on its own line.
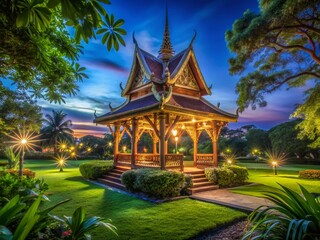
point(61, 162)
point(110, 144)
point(174, 133)
point(124, 149)
point(274, 165)
point(89, 149)
point(229, 162)
point(24, 141)
point(228, 150)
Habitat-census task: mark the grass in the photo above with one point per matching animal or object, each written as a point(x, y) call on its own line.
point(263, 175)
point(134, 218)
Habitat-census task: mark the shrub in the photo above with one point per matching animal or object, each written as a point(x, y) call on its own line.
point(95, 169)
point(11, 185)
point(309, 174)
point(242, 174)
point(128, 178)
point(155, 183)
point(13, 158)
point(227, 175)
point(188, 183)
point(211, 175)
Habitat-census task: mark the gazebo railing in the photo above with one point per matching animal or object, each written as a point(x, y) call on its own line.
point(173, 161)
point(123, 159)
point(148, 160)
point(204, 160)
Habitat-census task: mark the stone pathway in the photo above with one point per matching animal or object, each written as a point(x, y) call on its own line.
point(226, 198)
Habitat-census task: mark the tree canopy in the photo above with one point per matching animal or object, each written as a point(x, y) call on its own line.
point(37, 52)
point(279, 46)
point(18, 110)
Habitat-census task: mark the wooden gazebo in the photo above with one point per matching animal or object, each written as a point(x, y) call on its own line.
point(162, 94)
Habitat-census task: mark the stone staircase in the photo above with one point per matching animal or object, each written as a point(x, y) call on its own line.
point(200, 183)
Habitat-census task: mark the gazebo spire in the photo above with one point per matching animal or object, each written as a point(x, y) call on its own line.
point(166, 51)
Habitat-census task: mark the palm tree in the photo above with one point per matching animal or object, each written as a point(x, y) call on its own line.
point(56, 128)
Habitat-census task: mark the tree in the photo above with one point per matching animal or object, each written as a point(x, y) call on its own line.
point(281, 45)
point(56, 128)
point(18, 110)
point(258, 139)
point(283, 138)
point(36, 51)
point(96, 144)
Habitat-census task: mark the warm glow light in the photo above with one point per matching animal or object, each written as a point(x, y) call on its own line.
point(176, 139)
point(24, 140)
point(228, 150)
point(183, 126)
point(73, 154)
point(229, 161)
point(72, 148)
point(110, 144)
point(193, 120)
point(89, 149)
point(61, 162)
point(124, 148)
point(274, 163)
point(81, 144)
point(174, 132)
point(63, 146)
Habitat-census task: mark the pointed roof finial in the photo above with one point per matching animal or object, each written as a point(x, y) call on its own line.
point(166, 51)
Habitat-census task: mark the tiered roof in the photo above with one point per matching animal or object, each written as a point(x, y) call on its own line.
point(167, 82)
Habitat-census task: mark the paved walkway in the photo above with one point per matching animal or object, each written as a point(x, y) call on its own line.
point(226, 198)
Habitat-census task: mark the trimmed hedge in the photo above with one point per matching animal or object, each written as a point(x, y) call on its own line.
point(95, 169)
point(227, 175)
point(309, 174)
point(156, 183)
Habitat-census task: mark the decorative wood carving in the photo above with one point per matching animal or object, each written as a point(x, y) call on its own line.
point(187, 79)
point(140, 79)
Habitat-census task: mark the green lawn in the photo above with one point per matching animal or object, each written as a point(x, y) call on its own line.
point(134, 218)
point(263, 175)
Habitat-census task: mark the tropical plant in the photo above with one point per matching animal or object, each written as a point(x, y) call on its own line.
point(293, 216)
point(19, 220)
point(79, 227)
point(57, 128)
point(12, 157)
point(276, 48)
point(47, 63)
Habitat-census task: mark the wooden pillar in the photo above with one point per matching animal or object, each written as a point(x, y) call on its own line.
point(215, 152)
point(154, 140)
point(162, 140)
point(134, 141)
point(195, 145)
point(116, 141)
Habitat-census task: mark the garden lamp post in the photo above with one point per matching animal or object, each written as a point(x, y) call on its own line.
point(174, 133)
point(23, 142)
point(274, 165)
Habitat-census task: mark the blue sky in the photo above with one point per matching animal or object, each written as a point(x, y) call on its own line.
point(146, 18)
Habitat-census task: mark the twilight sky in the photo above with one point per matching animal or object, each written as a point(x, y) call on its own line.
point(210, 18)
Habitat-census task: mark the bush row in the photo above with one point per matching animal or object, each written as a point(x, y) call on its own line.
point(156, 183)
point(95, 169)
point(227, 175)
point(309, 174)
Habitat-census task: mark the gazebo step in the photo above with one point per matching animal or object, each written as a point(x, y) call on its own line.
point(194, 176)
point(201, 184)
point(196, 180)
point(191, 172)
point(117, 171)
point(111, 183)
point(203, 189)
point(114, 174)
point(112, 178)
point(122, 168)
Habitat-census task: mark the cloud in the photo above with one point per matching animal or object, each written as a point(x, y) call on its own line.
point(104, 64)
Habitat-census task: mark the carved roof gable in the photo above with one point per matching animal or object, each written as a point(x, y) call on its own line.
point(140, 79)
point(186, 79)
